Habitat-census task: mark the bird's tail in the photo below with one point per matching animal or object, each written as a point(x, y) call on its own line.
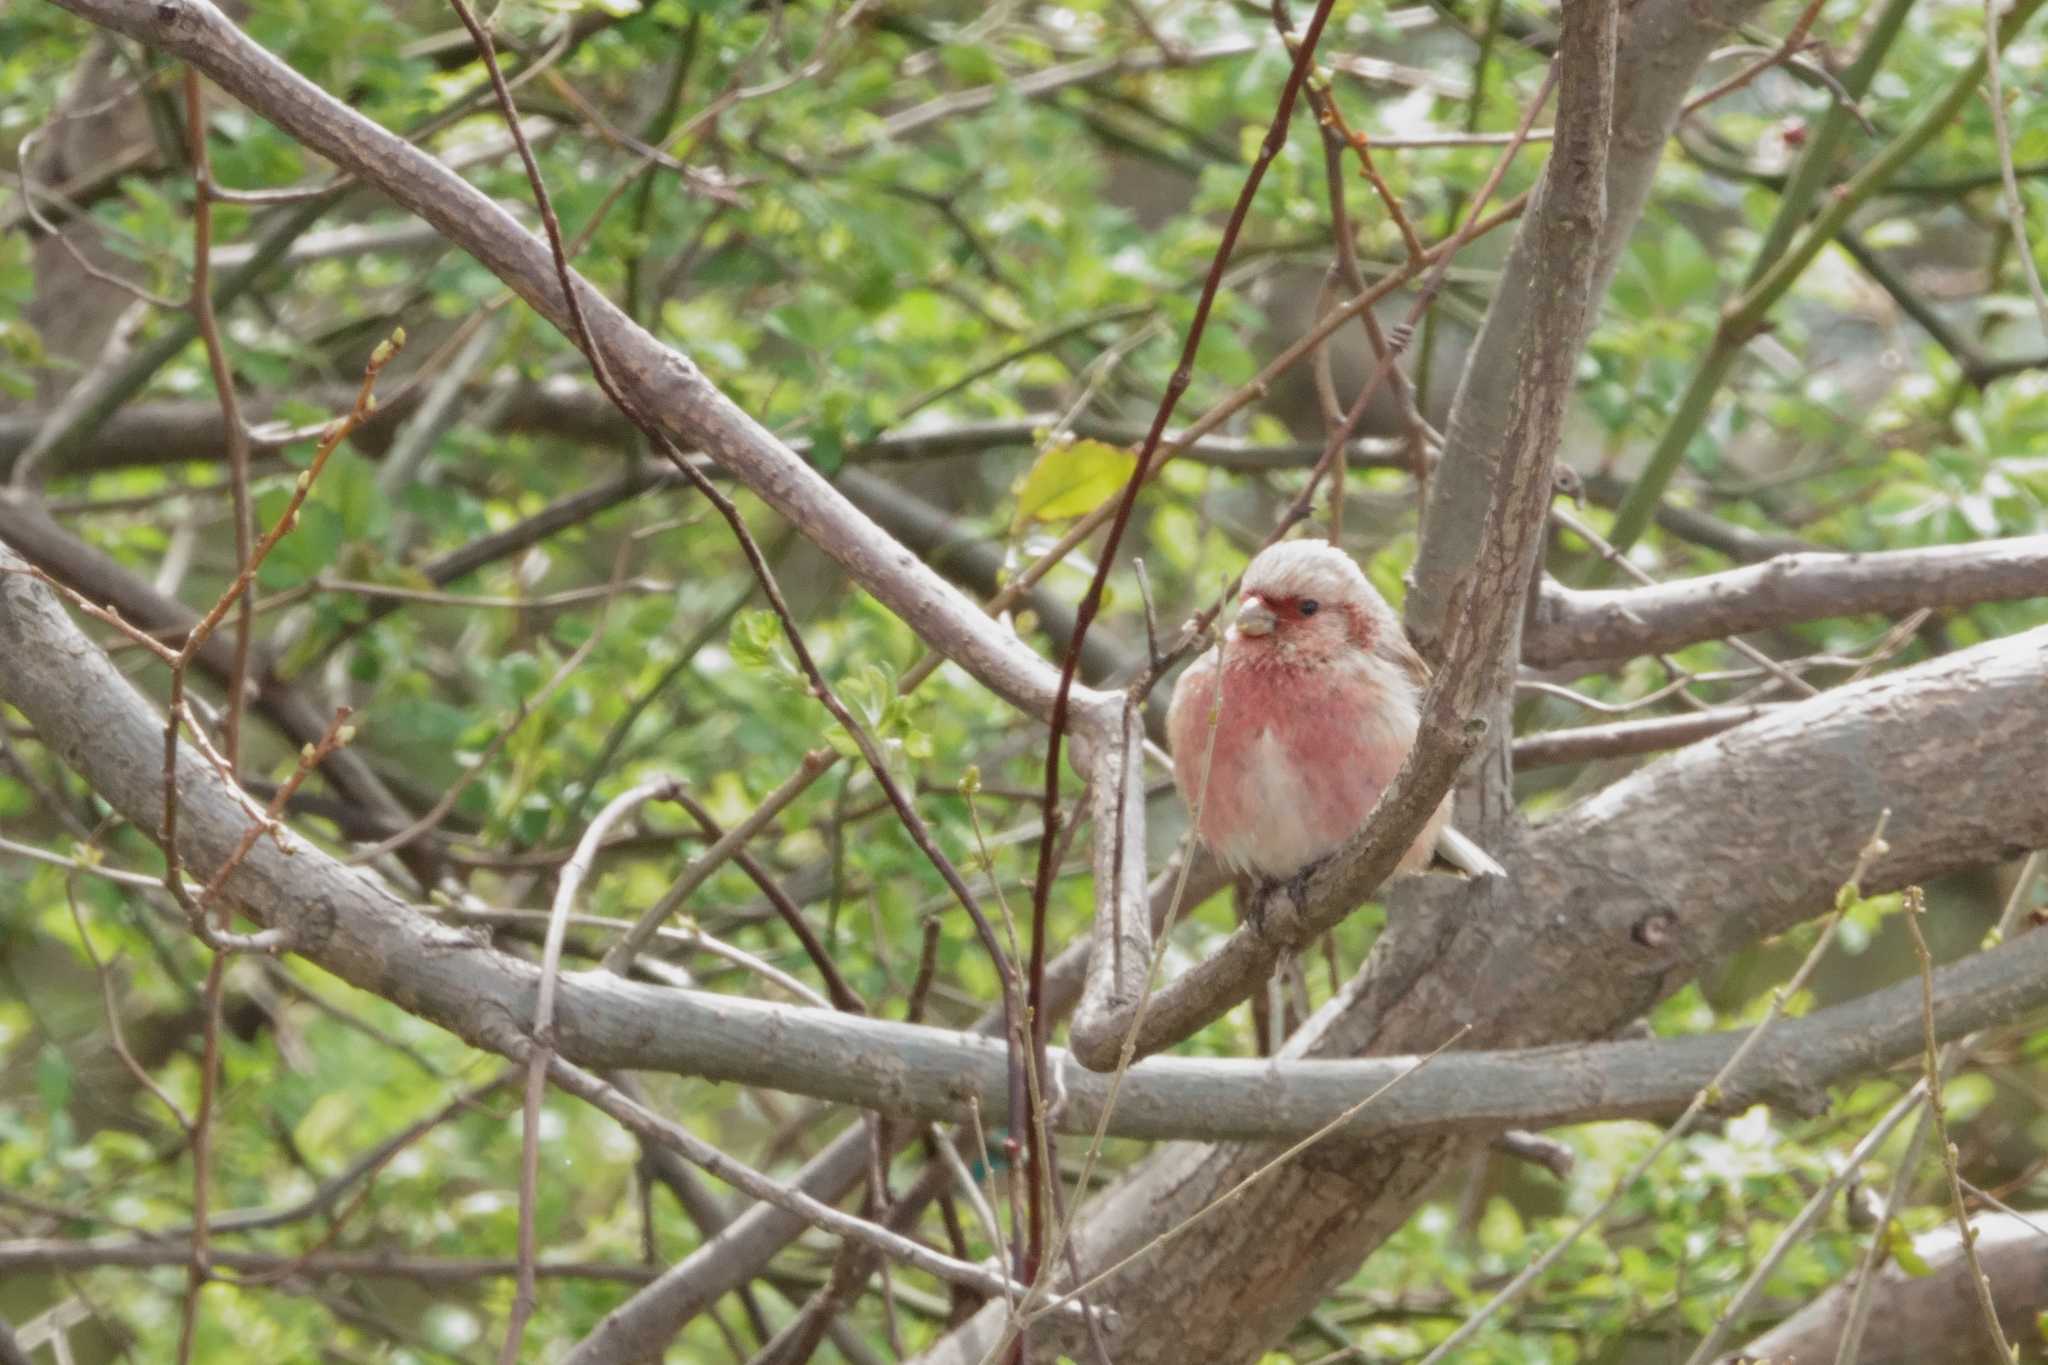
point(1468, 857)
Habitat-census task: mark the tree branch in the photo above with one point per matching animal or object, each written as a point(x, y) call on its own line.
point(1679, 863)
point(1573, 626)
point(177, 431)
point(95, 576)
point(1922, 1317)
point(437, 1271)
point(1624, 738)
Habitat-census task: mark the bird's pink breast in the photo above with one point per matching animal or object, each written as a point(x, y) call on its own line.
point(1300, 756)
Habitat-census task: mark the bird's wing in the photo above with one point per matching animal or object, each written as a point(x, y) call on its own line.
point(1460, 852)
point(1396, 646)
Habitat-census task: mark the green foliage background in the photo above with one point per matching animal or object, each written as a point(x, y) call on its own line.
point(861, 285)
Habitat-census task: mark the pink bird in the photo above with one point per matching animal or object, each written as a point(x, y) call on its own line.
point(1321, 691)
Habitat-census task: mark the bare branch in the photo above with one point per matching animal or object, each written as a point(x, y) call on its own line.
point(1574, 626)
point(1628, 737)
point(430, 1271)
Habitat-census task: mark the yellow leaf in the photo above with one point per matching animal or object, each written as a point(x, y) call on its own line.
point(1900, 1243)
point(1072, 479)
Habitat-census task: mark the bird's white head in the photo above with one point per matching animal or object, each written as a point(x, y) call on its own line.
point(1306, 601)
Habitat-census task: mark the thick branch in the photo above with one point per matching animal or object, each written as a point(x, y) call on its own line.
point(1569, 625)
point(93, 575)
point(1688, 858)
point(1923, 1317)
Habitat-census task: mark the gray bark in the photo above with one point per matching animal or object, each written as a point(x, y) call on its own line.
point(1573, 626)
point(1916, 1319)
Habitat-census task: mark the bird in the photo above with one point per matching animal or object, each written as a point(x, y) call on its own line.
point(1320, 702)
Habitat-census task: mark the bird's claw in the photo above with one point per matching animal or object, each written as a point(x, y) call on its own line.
point(1296, 888)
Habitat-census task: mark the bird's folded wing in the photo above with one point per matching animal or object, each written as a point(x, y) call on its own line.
point(1468, 857)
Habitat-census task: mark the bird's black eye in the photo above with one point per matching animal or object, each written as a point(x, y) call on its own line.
point(1309, 606)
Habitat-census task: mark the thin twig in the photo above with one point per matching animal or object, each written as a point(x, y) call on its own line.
point(844, 997)
point(232, 429)
point(723, 847)
point(104, 971)
point(1850, 1346)
point(1795, 39)
point(567, 887)
point(1980, 1283)
point(2015, 206)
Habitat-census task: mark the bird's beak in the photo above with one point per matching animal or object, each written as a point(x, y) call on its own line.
point(1254, 617)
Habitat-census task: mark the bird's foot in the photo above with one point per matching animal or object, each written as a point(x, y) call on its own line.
point(1284, 925)
point(1297, 886)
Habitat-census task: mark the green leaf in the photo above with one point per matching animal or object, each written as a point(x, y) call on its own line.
point(757, 644)
point(435, 725)
point(1072, 479)
point(306, 550)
